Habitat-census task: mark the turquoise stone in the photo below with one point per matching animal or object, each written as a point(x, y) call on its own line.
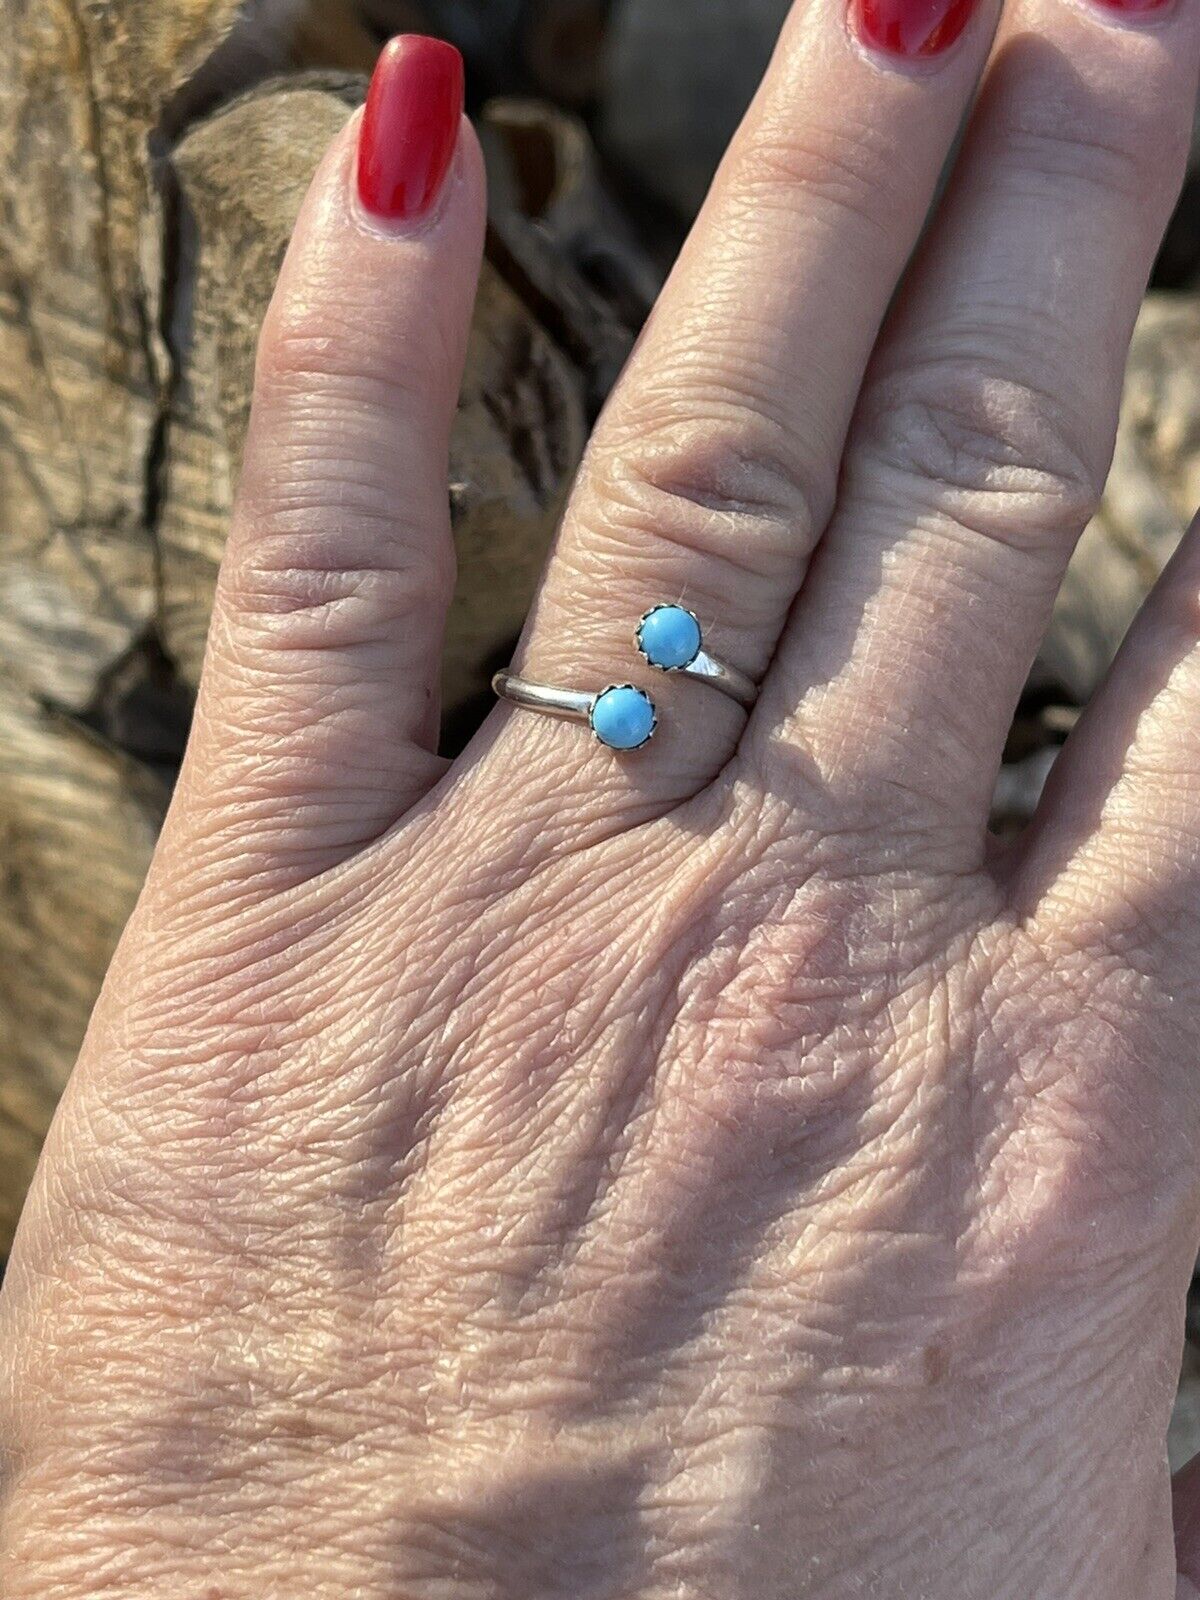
point(669, 637)
point(622, 717)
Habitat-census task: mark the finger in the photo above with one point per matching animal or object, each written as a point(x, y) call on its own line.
point(1115, 843)
point(317, 716)
point(988, 418)
point(712, 470)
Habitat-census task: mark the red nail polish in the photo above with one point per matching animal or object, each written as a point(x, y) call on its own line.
point(912, 29)
point(409, 127)
point(1136, 8)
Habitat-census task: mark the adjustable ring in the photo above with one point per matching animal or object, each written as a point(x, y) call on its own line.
point(670, 639)
point(621, 716)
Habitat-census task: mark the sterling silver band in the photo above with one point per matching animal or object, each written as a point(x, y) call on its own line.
point(574, 704)
point(670, 639)
point(621, 716)
point(736, 684)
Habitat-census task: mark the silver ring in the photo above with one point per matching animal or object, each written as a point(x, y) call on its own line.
point(670, 639)
point(621, 716)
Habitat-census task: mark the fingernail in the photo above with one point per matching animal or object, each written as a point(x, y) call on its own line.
point(911, 29)
point(1135, 8)
point(410, 127)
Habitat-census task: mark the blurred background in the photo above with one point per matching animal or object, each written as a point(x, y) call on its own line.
point(153, 155)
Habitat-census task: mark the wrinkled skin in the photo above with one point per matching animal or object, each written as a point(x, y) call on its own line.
point(707, 1198)
point(716, 1172)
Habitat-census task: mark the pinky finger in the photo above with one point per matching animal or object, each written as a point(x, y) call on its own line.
point(1118, 830)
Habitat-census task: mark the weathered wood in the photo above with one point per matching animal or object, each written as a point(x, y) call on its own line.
point(81, 369)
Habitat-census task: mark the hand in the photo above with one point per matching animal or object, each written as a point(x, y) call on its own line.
point(713, 1171)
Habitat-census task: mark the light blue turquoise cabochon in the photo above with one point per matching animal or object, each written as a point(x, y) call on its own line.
point(623, 718)
point(669, 637)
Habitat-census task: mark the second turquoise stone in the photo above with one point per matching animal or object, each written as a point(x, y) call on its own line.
point(622, 717)
point(669, 637)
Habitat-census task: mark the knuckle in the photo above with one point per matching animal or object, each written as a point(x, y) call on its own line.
point(310, 607)
point(847, 171)
point(1000, 456)
point(311, 579)
point(723, 486)
point(311, 347)
point(1119, 156)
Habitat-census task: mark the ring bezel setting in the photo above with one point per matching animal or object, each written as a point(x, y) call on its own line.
point(678, 646)
point(622, 716)
point(680, 616)
point(622, 689)
point(639, 716)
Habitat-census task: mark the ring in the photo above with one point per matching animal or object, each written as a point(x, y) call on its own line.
point(670, 639)
point(621, 716)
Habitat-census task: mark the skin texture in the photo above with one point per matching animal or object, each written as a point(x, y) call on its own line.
point(715, 1172)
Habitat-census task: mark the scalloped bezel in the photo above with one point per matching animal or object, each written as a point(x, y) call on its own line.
point(668, 605)
point(622, 750)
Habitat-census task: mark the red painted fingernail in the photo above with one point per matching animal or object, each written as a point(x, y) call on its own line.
point(1136, 8)
point(912, 29)
point(409, 127)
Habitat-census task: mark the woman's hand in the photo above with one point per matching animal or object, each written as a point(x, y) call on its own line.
point(713, 1171)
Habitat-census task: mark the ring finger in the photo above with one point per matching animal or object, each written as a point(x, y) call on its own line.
point(712, 471)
